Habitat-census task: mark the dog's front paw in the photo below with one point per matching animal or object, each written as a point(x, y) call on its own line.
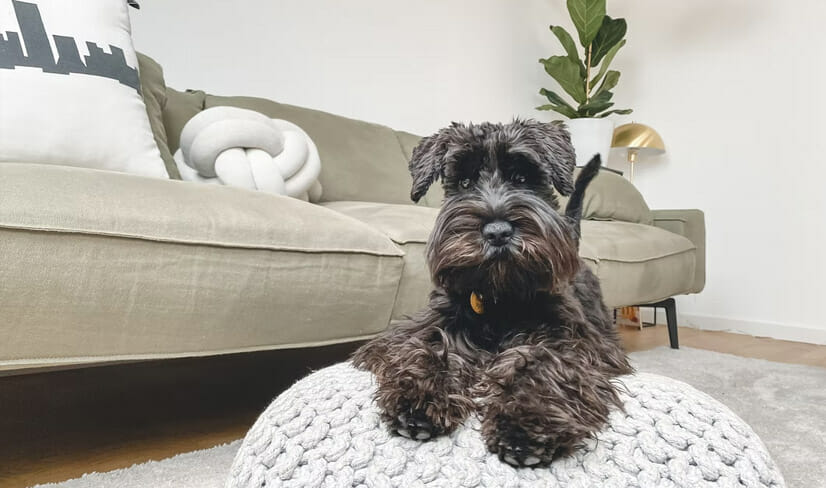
point(414, 424)
point(519, 448)
point(414, 411)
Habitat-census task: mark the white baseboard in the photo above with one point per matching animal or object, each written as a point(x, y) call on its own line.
point(786, 332)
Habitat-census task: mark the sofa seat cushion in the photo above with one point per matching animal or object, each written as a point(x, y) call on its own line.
point(637, 263)
point(155, 268)
point(409, 227)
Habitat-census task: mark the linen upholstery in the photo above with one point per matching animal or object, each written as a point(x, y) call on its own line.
point(359, 160)
point(408, 142)
point(97, 265)
point(690, 223)
point(409, 227)
point(611, 197)
point(637, 263)
point(179, 108)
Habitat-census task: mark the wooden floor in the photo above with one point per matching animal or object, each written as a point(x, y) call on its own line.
point(59, 425)
point(738, 344)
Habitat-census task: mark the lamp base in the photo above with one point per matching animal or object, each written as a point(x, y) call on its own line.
point(632, 158)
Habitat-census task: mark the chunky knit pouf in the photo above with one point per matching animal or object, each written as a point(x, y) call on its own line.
point(325, 431)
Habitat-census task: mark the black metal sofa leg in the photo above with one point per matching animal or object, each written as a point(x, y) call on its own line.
point(670, 306)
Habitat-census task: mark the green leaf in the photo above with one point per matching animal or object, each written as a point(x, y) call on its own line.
point(566, 73)
point(610, 81)
point(602, 97)
point(568, 43)
point(596, 109)
point(559, 104)
point(624, 111)
point(610, 33)
point(566, 40)
point(607, 62)
point(597, 104)
point(566, 111)
point(587, 16)
point(554, 98)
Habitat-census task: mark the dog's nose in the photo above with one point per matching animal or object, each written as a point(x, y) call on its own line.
point(498, 232)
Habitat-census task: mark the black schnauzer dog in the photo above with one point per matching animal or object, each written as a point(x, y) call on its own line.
point(515, 328)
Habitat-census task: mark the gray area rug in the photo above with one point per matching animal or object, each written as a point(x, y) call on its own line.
point(784, 403)
point(207, 468)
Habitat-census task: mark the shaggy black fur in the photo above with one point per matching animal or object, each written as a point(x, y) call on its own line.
point(537, 364)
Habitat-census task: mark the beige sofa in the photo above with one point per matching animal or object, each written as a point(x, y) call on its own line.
point(98, 266)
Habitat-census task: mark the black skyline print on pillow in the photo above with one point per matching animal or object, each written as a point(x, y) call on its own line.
point(39, 51)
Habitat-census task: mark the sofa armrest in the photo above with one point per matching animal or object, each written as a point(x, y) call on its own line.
point(689, 223)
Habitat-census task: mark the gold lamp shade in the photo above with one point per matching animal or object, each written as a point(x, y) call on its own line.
point(638, 139)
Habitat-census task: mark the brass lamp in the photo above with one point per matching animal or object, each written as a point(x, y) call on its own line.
point(637, 139)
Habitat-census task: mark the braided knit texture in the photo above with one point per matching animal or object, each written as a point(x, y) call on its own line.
point(325, 431)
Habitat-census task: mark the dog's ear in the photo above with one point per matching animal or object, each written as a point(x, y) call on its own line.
point(428, 160)
point(554, 149)
point(426, 165)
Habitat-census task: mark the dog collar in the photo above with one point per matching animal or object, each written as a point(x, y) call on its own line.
point(476, 303)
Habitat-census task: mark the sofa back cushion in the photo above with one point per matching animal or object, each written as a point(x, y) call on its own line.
point(612, 197)
point(180, 107)
point(359, 160)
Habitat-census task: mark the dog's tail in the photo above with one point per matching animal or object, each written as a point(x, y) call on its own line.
point(573, 211)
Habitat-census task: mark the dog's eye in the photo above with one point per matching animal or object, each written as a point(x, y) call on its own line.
point(517, 178)
point(465, 183)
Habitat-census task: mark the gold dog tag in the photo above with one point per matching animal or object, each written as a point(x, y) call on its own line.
point(476, 303)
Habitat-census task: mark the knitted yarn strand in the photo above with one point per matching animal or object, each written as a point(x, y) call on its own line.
point(326, 431)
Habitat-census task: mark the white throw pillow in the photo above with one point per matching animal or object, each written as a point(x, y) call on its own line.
point(69, 87)
point(244, 148)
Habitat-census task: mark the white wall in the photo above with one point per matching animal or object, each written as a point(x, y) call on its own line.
point(411, 65)
point(733, 86)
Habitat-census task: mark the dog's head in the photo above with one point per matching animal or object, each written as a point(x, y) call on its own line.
point(499, 232)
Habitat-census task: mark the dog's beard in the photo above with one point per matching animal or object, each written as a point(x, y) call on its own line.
point(541, 256)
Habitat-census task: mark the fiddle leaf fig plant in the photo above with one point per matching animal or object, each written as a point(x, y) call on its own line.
point(600, 37)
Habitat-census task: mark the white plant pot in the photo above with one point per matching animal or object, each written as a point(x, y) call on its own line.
point(590, 137)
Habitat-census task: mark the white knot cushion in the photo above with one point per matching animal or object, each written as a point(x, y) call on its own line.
point(325, 431)
point(238, 147)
